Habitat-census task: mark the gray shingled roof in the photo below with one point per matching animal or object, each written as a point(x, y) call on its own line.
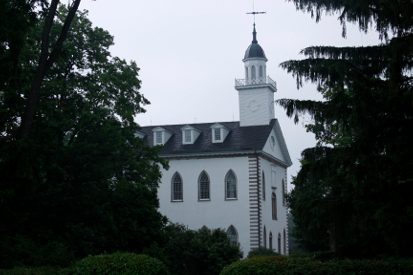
point(238, 138)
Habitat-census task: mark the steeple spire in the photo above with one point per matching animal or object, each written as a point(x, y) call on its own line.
point(254, 36)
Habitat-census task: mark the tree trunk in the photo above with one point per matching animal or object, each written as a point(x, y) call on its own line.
point(45, 62)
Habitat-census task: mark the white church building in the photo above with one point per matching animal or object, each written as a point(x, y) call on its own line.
point(230, 175)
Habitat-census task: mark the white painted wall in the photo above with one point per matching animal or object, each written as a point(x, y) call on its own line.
point(276, 151)
point(216, 213)
point(274, 226)
point(255, 106)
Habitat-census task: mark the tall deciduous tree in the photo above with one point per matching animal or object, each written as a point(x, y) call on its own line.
point(355, 186)
point(81, 183)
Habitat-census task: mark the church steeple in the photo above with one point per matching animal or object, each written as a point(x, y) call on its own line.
point(254, 50)
point(254, 36)
point(256, 91)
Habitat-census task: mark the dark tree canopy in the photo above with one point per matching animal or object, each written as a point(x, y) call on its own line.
point(81, 182)
point(354, 188)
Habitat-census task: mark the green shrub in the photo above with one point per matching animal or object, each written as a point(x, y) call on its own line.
point(119, 263)
point(44, 270)
point(258, 265)
point(284, 265)
point(202, 252)
point(261, 251)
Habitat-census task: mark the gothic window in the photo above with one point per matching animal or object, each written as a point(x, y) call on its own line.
point(263, 185)
point(177, 187)
point(253, 72)
point(273, 178)
point(279, 243)
point(285, 244)
point(232, 235)
point(260, 72)
point(203, 186)
point(231, 185)
point(274, 206)
point(264, 239)
point(246, 73)
point(283, 192)
point(270, 240)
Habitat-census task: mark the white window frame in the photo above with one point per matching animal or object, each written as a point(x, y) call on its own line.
point(233, 238)
point(156, 138)
point(274, 206)
point(235, 185)
point(200, 187)
point(161, 135)
point(264, 238)
point(187, 136)
point(217, 133)
point(270, 241)
point(279, 243)
point(263, 185)
point(222, 134)
point(173, 189)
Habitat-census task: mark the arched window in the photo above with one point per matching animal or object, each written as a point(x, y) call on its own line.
point(273, 177)
point(230, 185)
point(246, 72)
point(264, 239)
point(253, 72)
point(283, 192)
point(270, 240)
point(232, 235)
point(263, 185)
point(177, 187)
point(274, 206)
point(203, 186)
point(279, 243)
point(285, 243)
point(260, 72)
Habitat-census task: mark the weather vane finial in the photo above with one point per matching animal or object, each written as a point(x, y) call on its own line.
point(255, 12)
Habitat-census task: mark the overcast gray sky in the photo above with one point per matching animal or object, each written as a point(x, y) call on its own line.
point(190, 52)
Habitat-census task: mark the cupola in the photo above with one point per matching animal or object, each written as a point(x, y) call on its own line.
point(256, 91)
point(254, 50)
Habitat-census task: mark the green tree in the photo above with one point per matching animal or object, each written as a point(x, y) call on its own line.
point(81, 182)
point(203, 251)
point(355, 186)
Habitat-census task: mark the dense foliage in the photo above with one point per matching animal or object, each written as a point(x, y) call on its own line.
point(353, 192)
point(203, 251)
point(119, 263)
point(258, 265)
point(283, 265)
point(261, 251)
point(43, 270)
point(79, 182)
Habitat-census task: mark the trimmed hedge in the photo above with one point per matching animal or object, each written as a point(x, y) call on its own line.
point(283, 265)
point(257, 265)
point(262, 251)
point(120, 263)
point(43, 270)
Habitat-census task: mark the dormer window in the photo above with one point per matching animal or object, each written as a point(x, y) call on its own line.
point(158, 138)
point(219, 133)
point(161, 136)
point(189, 134)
